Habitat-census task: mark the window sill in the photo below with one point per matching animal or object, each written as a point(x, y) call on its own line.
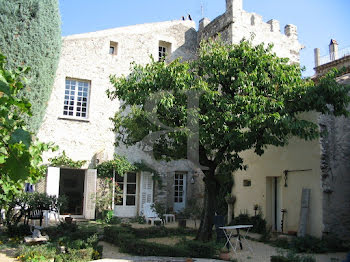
point(73, 119)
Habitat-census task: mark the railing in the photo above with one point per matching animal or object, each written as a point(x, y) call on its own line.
point(334, 56)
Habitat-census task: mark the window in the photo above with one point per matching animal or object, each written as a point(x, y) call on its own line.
point(127, 185)
point(247, 183)
point(113, 48)
point(164, 49)
point(162, 53)
point(76, 98)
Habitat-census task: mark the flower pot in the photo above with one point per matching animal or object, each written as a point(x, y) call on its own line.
point(225, 256)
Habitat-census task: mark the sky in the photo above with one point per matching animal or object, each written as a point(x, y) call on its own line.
point(318, 21)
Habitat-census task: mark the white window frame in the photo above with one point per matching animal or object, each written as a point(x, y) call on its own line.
point(162, 52)
point(72, 97)
point(125, 192)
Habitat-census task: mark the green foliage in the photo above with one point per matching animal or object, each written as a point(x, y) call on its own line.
point(130, 241)
point(138, 219)
point(292, 257)
point(119, 164)
point(25, 202)
point(30, 35)
point(20, 158)
point(64, 161)
point(259, 224)
point(248, 99)
point(159, 208)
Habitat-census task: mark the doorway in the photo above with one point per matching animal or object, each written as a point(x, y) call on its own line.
point(273, 202)
point(179, 191)
point(71, 185)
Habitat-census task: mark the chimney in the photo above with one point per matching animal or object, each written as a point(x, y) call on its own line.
point(317, 56)
point(234, 6)
point(333, 50)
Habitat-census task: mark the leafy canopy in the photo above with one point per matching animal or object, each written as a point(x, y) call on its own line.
point(249, 99)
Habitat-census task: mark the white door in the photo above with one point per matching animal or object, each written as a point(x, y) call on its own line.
point(179, 191)
point(146, 190)
point(53, 181)
point(126, 201)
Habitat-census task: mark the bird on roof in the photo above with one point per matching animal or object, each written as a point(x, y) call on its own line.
point(189, 17)
point(183, 18)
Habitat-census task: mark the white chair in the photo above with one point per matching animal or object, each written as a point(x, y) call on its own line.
point(150, 214)
point(48, 214)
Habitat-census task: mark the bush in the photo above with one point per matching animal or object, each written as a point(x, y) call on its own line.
point(37, 253)
point(130, 241)
point(259, 224)
point(18, 230)
point(308, 244)
point(138, 219)
point(292, 257)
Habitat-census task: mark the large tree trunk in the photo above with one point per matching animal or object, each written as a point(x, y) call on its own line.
point(205, 230)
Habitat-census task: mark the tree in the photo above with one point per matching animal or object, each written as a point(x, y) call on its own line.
point(249, 99)
point(30, 34)
point(20, 153)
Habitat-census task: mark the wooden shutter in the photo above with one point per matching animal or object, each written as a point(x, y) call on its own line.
point(90, 193)
point(146, 192)
point(53, 181)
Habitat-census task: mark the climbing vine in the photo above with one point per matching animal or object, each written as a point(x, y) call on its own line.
point(65, 161)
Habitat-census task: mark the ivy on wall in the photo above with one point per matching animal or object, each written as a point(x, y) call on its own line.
point(65, 161)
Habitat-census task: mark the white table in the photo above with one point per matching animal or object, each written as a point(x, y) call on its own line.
point(228, 231)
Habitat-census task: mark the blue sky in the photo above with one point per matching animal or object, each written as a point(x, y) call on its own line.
point(317, 20)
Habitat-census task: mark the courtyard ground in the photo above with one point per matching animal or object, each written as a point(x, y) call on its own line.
point(262, 252)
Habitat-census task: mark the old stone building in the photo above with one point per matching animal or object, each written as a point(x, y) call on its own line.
point(276, 180)
point(77, 117)
point(335, 151)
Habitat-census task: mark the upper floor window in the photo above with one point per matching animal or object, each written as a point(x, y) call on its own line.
point(164, 49)
point(113, 48)
point(76, 98)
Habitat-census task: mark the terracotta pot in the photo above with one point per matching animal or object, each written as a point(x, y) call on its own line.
point(224, 256)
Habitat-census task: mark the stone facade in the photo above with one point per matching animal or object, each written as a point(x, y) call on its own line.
point(236, 24)
point(93, 57)
point(335, 164)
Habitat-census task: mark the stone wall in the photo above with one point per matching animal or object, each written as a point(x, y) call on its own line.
point(236, 24)
point(335, 174)
point(86, 57)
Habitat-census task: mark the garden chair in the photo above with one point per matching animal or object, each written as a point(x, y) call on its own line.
point(36, 214)
point(150, 214)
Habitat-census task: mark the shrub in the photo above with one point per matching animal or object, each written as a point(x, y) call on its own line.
point(259, 224)
point(138, 219)
point(37, 253)
point(308, 244)
point(130, 241)
point(292, 257)
point(18, 230)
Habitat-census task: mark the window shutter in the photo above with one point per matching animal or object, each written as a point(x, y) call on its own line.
point(146, 189)
point(90, 193)
point(53, 181)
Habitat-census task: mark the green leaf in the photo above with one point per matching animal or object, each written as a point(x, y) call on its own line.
point(20, 135)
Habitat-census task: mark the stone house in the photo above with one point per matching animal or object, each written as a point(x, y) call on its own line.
point(78, 112)
point(275, 181)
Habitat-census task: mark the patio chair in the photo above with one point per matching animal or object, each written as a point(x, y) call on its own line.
point(150, 214)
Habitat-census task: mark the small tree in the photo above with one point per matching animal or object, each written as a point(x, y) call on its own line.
point(30, 34)
point(20, 158)
point(249, 99)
